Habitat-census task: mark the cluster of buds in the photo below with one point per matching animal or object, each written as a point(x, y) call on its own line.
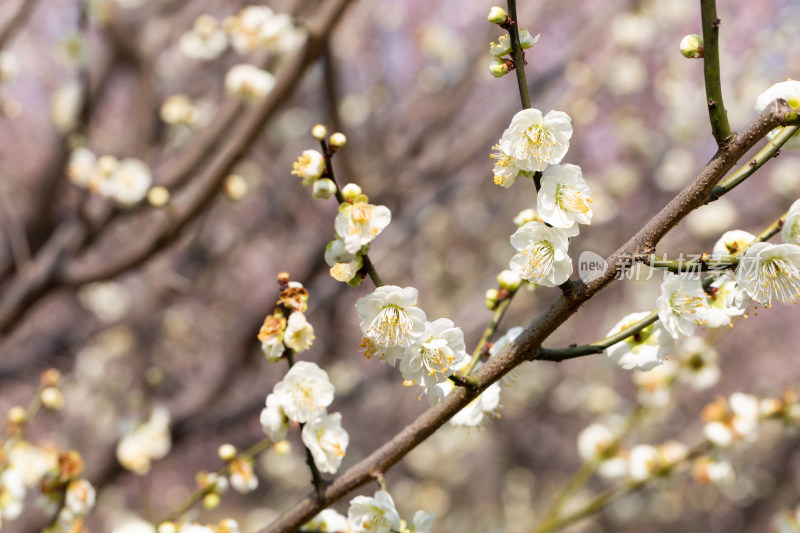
point(311, 166)
point(240, 469)
point(501, 64)
point(213, 486)
point(279, 333)
point(125, 181)
point(508, 283)
point(72, 495)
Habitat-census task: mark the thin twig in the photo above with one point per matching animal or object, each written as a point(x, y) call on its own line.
point(716, 108)
point(518, 55)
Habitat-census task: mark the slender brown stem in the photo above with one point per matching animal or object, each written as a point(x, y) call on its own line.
point(518, 55)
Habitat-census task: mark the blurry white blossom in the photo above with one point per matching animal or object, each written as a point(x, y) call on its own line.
point(206, 40)
point(273, 419)
point(178, 109)
point(327, 521)
point(65, 106)
point(129, 183)
point(9, 66)
point(249, 82)
point(595, 442)
point(108, 300)
point(643, 350)
point(243, 478)
point(148, 442)
point(12, 495)
point(327, 441)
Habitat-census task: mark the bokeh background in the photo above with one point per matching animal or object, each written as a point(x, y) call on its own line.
point(408, 83)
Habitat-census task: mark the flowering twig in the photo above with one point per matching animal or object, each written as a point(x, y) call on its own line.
point(518, 55)
point(200, 493)
point(716, 109)
point(766, 153)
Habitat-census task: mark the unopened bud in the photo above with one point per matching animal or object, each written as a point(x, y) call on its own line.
point(497, 15)
point(338, 140)
point(351, 190)
point(692, 46)
point(323, 189)
point(525, 216)
point(319, 132)
point(211, 500)
point(235, 187)
point(227, 452)
point(52, 398)
point(17, 415)
point(158, 196)
point(509, 280)
point(499, 67)
point(283, 447)
point(167, 527)
point(491, 298)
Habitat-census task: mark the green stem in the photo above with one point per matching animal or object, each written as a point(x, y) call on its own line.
point(716, 108)
point(518, 55)
point(755, 163)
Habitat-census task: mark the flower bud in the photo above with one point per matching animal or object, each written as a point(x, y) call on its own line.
point(211, 500)
point(17, 415)
point(323, 189)
point(692, 46)
point(235, 187)
point(525, 216)
point(51, 378)
point(526, 40)
point(52, 398)
point(497, 15)
point(499, 67)
point(319, 132)
point(338, 140)
point(491, 298)
point(283, 447)
point(351, 190)
point(158, 196)
point(227, 452)
point(509, 281)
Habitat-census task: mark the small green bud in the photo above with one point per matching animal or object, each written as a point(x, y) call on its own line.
point(497, 15)
point(227, 452)
point(323, 189)
point(692, 46)
point(509, 280)
point(211, 500)
point(319, 132)
point(351, 190)
point(338, 140)
point(491, 298)
point(356, 281)
point(499, 67)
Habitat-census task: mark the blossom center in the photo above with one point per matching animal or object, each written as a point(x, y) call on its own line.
point(540, 258)
point(391, 327)
point(683, 303)
point(779, 278)
point(536, 142)
point(569, 198)
point(437, 356)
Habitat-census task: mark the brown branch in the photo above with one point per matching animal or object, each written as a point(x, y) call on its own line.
point(527, 345)
point(169, 226)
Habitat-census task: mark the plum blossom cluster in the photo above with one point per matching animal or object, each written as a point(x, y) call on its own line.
point(372, 514)
point(303, 397)
point(125, 181)
point(146, 443)
point(395, 328)
point(502, 63)
point(279, 333)
point(253, 28)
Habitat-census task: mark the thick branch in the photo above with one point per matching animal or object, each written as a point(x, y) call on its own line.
point(528, 345)
point(716, 109)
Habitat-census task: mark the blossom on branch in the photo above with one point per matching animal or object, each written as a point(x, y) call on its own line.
point(305, 392)
point(790, 233)
point(770, 272)
point(375, 514)
point(683, 305)
point(542, 257)
point(390, 321)
point(564, 197)
point(327, 441)
point(359, 222)
point(643, 350)
point(535, 142)
point(249, 82)
point(786, 90)
point(439, 350)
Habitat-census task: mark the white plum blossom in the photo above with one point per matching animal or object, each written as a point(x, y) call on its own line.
point(500, 344)
point(699, 366)
point(439, 350)
point(503, 46)
point(259, 27)
point(243, 478)
point(9, 66)
point(80, 497)
point(390, 321)
point(683, 305)
point(327, 441)
point(344, 265)
point(790, 233)
point(178, 109)
point(473, 414)
point(375, 514)
point(305, 392)
point(644, 350)
point(542, 258)
point(81, 166)
point(731, 242)
point(505, 169)
point(65, 106)
point(422, 522)
point(718, 472)
point(789, 91)
point(271, 336)
point(309, 166)
point(643, 462)
point(249, 82)
point(206, 40)
point(727, 301)
point(731, 421)
point(595, 442)
point(328, 521)
point(358, 223)
point(299, 334)
point(563, 199)
point(12, 495)
point(654, 386)
point(770, 272)
point(273, 420)
point(535, 142)
point(148, 442)
point(129, 183)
